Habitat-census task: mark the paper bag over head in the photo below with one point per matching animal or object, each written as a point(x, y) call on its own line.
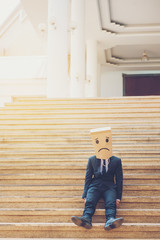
point(102, 142)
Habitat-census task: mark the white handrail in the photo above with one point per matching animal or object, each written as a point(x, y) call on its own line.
point(17, 13)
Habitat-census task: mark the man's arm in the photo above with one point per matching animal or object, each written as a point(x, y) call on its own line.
point(119, 180)
point(88, 178)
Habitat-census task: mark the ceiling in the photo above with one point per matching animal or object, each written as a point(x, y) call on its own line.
point(129, 28)
point(124, 29)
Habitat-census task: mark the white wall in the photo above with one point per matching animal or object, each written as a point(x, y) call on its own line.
point(22, 76)
point(111, 82)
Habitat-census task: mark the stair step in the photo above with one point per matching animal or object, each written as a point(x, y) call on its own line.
point(66, 178)
point(131, 160)
point(82, 152)
point(72, 133)
point(67, 167)
point(82, 106)
point(58, 154)
point(45, 170)
point(69, 230)
point(80, 111)
point(83, 136)
point(81, 124)
point(73, 239)
point(101, 115)
point(71, 147)
point(54, 215)
point(82, 102)
point(128, 202)
point(75, 100)
point(82, 159)
point(13, 132)
point(39, 167)
point(71, 190)
point(47, 140)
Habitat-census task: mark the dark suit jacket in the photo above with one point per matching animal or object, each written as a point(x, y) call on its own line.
point(113, 177)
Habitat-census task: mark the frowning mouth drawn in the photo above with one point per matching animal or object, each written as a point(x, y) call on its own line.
point(103, 149)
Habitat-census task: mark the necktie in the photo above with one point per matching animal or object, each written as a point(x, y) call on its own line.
point(104, 166)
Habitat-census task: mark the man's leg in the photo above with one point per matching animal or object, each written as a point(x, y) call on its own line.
point(93, 195)
point(110, 208)
point(110, 202)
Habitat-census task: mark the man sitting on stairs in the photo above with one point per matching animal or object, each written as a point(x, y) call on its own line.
point(104, 179)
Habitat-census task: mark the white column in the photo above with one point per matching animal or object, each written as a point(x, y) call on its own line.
point(77, 68)
point(57, 48)
point(91, 86)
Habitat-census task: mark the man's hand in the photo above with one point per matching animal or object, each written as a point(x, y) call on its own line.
point(84, 200)
point(117, 203)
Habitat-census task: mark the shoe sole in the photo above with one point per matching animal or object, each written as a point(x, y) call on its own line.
point(80, 223)
point(117, 223)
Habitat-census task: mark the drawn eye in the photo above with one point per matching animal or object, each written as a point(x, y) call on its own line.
point(97, 141)
point(107, 140)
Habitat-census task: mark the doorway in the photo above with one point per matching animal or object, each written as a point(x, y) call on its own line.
point(141, 84)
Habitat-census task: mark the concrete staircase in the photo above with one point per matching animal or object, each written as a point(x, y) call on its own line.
point(45, 145)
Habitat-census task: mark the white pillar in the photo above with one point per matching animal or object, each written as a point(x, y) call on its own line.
point(57, 48)
point(77, 68)
point(91, 86)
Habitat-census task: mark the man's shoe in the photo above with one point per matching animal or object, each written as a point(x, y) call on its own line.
point(81, 221)
point(113, 223)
